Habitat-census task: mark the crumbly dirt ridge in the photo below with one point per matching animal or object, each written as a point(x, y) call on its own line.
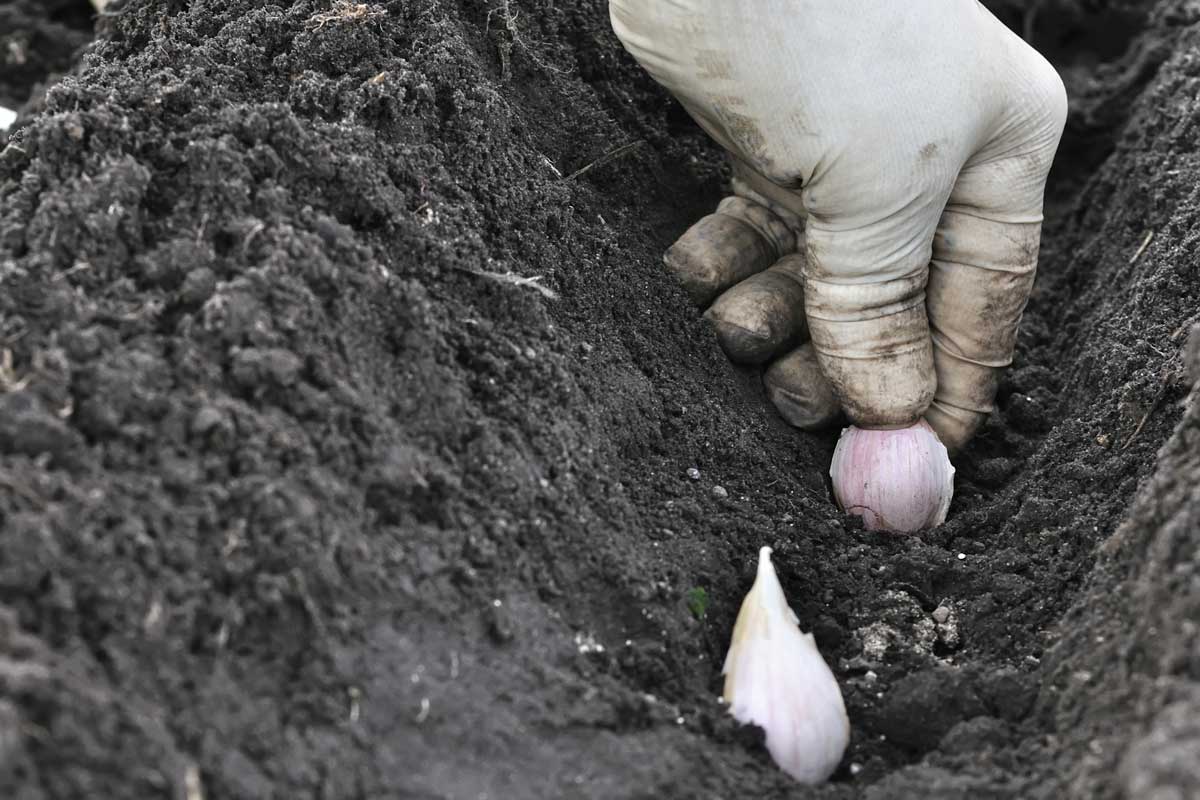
point(347, 414)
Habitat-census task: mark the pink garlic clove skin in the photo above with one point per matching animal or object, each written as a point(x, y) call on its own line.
point(896, 480)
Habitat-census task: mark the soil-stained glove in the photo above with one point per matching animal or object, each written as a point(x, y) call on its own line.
point(900, 149)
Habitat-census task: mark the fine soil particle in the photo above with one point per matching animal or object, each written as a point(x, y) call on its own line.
point(354, 441)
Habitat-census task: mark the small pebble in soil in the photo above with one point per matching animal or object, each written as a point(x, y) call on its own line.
point(587, 644)
point(500, 624)
point(962, 556)
point(693, 473)
point(720, 492)
point(941, 614)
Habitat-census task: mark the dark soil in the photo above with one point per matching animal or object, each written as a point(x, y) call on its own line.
point(38, 41)
point(346, 414)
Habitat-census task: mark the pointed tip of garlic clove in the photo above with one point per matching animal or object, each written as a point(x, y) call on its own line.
point(775, 678)
point(898, 480)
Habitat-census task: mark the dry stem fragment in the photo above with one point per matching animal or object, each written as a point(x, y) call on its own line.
point(531, 282)
point(611, 155)
point(9, 382)
point(1145, 243)
point(345, 11)
point(509, 17)
point(193, 789)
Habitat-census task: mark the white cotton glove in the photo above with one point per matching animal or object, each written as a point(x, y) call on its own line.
point(915, 138)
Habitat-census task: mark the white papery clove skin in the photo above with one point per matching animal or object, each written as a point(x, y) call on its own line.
point(896, 480)
point(776, 679)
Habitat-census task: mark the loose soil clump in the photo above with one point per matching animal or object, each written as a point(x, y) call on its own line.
point(354, 441)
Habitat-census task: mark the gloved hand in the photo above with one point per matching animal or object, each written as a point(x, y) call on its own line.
point(890, 160)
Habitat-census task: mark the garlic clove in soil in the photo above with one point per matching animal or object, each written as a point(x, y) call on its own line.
point(896, 480)
point(776, 679)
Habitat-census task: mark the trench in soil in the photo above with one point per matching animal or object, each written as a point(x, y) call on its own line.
point(536, 545)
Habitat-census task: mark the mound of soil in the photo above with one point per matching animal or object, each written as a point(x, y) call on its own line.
point(350, 430)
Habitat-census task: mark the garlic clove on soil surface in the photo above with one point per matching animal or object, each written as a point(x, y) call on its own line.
point(775, 678)
point(896, 480)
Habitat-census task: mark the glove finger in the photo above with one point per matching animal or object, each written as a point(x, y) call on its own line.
point(864, 296)
point(979, 282)
point(800, 391)
point(762, 315)
point(985, 255)
point(741, 239)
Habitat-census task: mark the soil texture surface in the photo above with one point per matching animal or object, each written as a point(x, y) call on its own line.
point(355, 443)
point(38, 42)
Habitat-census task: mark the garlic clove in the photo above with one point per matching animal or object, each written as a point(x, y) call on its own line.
point(776, 679)
point(898, 480)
